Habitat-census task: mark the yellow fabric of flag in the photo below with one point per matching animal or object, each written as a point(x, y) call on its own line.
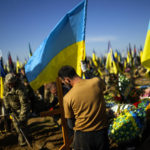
point(108, 61)
point(128, 58)
point(145, 61)
point(116, 55)
point(147, 74)
point(125, 64)
point(115, 70)
point(2, 87)
point(115, 64)
point(17, 66)
point(96, 64)
point(141, 53)
point(94, 59)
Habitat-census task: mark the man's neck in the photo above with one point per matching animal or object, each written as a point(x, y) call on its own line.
point(75, 80)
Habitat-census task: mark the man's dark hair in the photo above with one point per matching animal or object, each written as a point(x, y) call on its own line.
point(67, 71)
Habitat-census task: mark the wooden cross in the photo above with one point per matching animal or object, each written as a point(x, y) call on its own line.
point(67, 141)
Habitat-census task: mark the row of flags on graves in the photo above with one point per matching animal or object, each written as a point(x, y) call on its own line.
point(65, 45)
point(113, 60)
point(116, 63)
point(11, 66)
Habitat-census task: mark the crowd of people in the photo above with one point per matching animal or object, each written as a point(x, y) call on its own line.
point(20, 102)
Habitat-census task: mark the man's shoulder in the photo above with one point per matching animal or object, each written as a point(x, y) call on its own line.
point(68, 95)
point(97, 81)
point(94, 79)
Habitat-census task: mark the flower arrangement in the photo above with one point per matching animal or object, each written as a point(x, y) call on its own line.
point(127, 126)
point(109, 99)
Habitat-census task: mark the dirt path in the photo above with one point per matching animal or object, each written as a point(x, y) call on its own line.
point(44, 134)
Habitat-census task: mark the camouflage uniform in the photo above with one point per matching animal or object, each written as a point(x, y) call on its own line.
point(30, 93)
point(16, 102)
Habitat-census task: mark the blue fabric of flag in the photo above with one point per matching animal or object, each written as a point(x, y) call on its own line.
point(2, 72)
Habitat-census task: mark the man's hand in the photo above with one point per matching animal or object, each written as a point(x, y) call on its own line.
point(50, 113)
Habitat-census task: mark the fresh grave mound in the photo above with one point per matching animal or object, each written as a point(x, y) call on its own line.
point(130, 124)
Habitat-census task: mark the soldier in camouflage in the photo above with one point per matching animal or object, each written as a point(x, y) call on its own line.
point(16, 102)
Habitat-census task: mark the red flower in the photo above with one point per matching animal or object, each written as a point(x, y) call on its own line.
point(118, 98)
point(136, 103)
point(51, 109)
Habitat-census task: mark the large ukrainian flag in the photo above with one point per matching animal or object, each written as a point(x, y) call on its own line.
point(64, 46)
point(145, 60)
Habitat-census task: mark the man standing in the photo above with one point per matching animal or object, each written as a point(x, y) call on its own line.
point(30, 93)
point(85, 110)
point(16, 103)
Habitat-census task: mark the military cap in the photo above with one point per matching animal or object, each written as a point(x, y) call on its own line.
point(10, 78)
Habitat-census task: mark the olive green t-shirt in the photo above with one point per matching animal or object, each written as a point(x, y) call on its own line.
point(85, 102)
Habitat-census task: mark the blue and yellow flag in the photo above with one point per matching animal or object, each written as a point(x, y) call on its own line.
point(2, 71)
point(109, 58)
point(114, 66)
point(1, 87)
point(96, 64)
point(2, 75)
point(18, 66)
point(64, 46)
point(145, 60)
point(94, 59)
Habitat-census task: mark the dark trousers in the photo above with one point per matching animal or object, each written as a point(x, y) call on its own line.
point(94, 140)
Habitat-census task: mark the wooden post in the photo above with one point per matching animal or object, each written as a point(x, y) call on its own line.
point(67, 141)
